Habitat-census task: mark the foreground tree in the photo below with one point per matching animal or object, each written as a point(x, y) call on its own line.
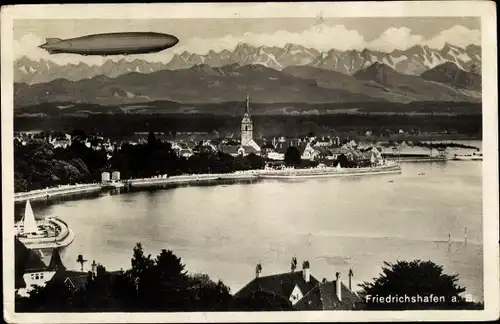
point(208, 295)
point(414, 285)
point(292, 156)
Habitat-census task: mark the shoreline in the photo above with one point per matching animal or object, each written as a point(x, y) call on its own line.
point(203, 179)
point(48, 193)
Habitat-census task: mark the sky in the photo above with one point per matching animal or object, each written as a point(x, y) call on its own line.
point(201, 35)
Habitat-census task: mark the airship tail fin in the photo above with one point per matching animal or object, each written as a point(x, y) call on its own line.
point(52, 40)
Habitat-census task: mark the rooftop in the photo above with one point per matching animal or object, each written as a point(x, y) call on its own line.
point(324, 297)
point(280, 284)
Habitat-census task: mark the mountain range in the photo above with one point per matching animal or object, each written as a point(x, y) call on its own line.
point(413, 61)
point(203, 84)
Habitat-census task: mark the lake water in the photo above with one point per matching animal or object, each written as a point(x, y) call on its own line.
point(336, 224)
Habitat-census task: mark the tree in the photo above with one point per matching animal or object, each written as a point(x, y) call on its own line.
point(208, 295)
point(160, 284)
point(292, 156)
point(53, 297)
point(417, 280)
point(343, 161)
point(255, 161)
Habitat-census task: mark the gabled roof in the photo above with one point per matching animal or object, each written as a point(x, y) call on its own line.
point(324, 297)
point(77, 282)
point(249, 149)
point(323, 150)
point(280, 284)
point(26, 261)
point(34, 263)
point(230, 149)
point(72, 279)
point(20, 256)
point(56, 262)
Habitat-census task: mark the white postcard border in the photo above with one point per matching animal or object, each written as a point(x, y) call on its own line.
point(483, 9)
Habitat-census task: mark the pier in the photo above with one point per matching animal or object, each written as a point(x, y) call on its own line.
point(414, 157)
point(48, 193)
point(165, 181)
point(195, 179)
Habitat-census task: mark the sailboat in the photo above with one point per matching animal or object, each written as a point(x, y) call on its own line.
point(49, 233)
point(28, 225)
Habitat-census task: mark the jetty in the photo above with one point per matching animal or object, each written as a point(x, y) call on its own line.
point(329, 172)
point(47, 193)
point(194, 179)
point(166, 181)
point(414, 157)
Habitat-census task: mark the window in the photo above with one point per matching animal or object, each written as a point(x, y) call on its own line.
point(36, 277)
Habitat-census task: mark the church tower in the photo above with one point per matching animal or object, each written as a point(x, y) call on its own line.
point(246, 125)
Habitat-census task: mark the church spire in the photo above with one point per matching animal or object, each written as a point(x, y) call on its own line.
point(247, 109)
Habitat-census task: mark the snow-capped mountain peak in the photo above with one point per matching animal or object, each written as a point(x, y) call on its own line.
point(414, 60)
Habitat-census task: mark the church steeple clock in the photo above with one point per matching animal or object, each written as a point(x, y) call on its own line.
point(246, 124)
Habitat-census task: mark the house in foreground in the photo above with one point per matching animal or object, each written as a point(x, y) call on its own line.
point(303, 291)
point(30, 269)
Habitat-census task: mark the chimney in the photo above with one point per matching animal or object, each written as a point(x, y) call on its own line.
point(258, 270)
point(94, 268)
point(293, 264)
point(338, 285)
point(351, 274)
point(306, 271)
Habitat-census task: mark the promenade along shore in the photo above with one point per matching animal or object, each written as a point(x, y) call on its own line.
point(204, 179)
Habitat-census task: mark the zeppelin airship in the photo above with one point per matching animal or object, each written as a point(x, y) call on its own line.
point(111, 44)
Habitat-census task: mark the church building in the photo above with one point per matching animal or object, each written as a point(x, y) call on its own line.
point(248, 145)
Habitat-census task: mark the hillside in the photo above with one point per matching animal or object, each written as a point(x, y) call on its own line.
point(411, 86)
point(198, 84)
point(449, 73)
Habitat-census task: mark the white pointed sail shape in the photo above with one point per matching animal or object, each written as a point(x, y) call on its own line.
point(29, 221)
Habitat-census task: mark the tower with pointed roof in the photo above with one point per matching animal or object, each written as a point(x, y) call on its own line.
point(247, 124)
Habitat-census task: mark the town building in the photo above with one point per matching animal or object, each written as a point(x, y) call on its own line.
point(30, 269)
point(248, 144)
point(303, 290)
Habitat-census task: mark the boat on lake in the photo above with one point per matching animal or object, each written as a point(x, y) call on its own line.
point(49, 233)
point(476, 156)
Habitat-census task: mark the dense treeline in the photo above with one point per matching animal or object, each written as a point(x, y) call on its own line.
point(264, 125)
point(151, 284)
point(39, 165)
point(158, 158)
